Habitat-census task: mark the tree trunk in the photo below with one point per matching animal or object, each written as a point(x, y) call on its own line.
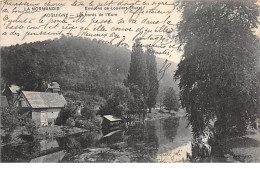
point(150, 110)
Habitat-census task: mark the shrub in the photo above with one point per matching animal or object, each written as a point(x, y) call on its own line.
point(70, 122)
point(94, 124)
point(31, 127)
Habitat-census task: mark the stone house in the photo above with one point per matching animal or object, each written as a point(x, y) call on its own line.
point(45, 107)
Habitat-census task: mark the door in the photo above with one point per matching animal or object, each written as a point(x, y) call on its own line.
point(44, 121)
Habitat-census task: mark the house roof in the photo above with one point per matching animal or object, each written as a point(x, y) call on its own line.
point(112, 118)
point(44, 100)
point(14, 88)
point(53, 85)
point(4, 102)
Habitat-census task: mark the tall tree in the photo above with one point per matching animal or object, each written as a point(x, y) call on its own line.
point(218, 70)
point(153, 81)
point(138, 72)
point(170, 100)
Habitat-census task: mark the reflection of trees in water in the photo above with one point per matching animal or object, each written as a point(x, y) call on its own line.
point(170, 126)
point(144, 142)
point(89, 139)
point(114, 138)
point(74, 143)
point(152, 139)
point(21, 153)
point(70, 143)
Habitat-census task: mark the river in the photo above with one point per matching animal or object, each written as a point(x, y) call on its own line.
point(165, 140)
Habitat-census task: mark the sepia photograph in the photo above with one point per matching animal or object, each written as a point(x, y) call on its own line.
point(130, 81)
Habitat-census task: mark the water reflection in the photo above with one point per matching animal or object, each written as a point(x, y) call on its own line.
point(116, 136)
point(144, 141)
point(48, 144)
point(20, 153)
point(73, 144)
point(174, 139)
point(170, 126)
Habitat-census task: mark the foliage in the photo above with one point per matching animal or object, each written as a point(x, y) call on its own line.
point(138, 103)
point(66, 113)
point(12, 122)
point(219, 65)
point(31, 127)
point(152, 76)
point(170, 100)
point(88, 113)
point(118, 103)
point(94, 124)
point(138, 72)
point(75, 63)
point(9, 119)
point(73, 100)
point(70, 122)
point(143, 77)
point(89, 120)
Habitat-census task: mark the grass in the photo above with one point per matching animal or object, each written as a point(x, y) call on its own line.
point(242, 148)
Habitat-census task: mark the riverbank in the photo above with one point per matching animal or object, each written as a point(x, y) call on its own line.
point(107, 154)
point(57, 131)
point(240, 149)
point(158, 114)
point(140, 143)
point(116, 153)
point(21, 135)
point(169, 136)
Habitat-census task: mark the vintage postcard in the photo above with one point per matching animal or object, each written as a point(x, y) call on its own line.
point(130, 81)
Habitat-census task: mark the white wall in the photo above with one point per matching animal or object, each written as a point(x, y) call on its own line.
point(36, 117)
point(49, 114)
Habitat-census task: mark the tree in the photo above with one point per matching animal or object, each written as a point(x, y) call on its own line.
point(153, 81)
point(170, 100)
point(219, 65)
point(77, 64)
point(138, 72)
point(118, 102)
point(137, 105)
point(88, 113)
point(138, 79)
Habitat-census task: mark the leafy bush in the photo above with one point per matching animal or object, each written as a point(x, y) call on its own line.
point(31, 127)
point(9, 119)
point(88, 113)
point(70, 122)
point(93, 124)
point(118, 103)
